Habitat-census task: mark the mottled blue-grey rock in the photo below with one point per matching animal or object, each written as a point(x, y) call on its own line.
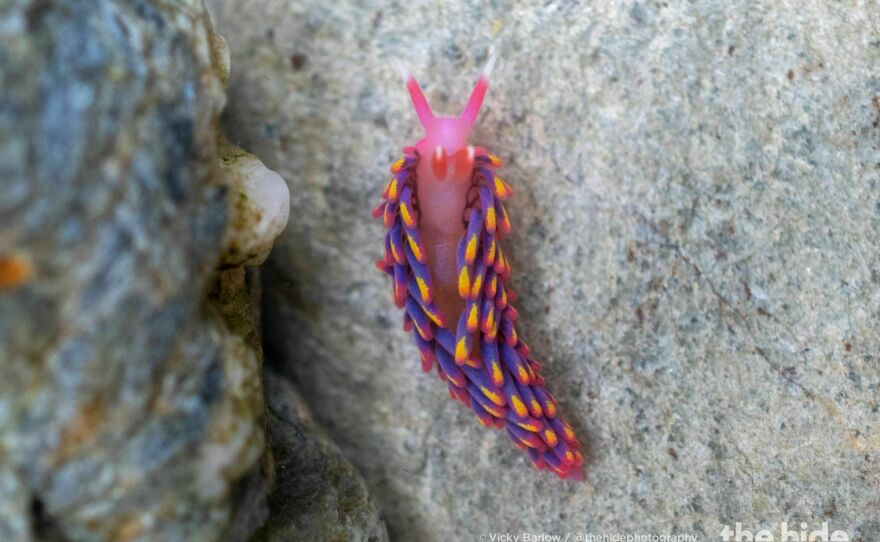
point(127, 410)
point(695, 241)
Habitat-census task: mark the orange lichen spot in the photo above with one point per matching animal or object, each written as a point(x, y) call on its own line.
point(14, 271)
point(129, 529)
point(82, 429)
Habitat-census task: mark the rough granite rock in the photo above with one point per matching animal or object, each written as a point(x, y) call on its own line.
point(128, 409)
point(318, 494)
point(696, 231)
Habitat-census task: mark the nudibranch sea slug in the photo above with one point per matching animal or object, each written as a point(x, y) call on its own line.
point(444, 213)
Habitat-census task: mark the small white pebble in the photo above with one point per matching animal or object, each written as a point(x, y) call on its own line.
point(259, 205)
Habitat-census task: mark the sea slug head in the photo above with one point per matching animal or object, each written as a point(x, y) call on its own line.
point(446, 138)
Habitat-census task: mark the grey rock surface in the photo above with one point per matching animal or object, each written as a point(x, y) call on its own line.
point(695, 246)
point(235, 297)
point(318, 494)
point(128, 411)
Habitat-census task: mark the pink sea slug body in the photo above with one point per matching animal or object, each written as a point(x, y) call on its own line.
point(444, 213)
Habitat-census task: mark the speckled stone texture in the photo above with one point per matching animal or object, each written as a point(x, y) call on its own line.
point(128, 410)
point(696, 223)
